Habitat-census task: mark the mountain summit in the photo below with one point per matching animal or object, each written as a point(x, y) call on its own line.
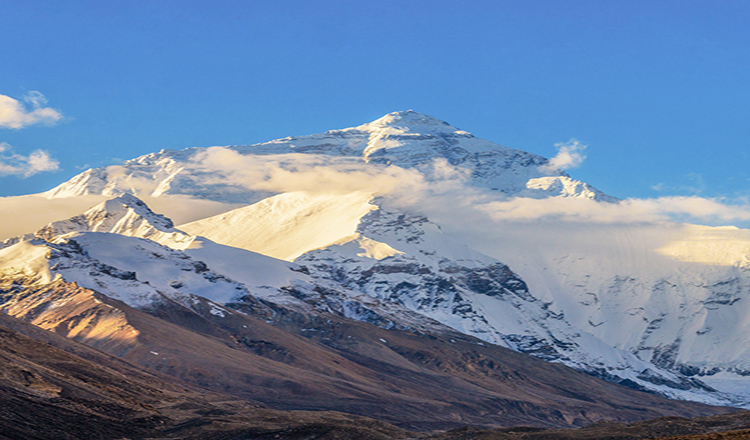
point(412, 122)
point(409, 120)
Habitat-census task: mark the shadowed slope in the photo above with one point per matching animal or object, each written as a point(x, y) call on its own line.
point(52, 387)
point(415, 380)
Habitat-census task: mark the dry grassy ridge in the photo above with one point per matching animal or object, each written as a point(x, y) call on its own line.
point(52, 387)
point(731, 435)
point(732, 426)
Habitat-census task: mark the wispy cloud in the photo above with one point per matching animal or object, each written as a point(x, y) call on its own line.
point(696, 185)
point(569, 155)
point(38, 161)
point(443, 190)
point(16, 114)
point(661, 209)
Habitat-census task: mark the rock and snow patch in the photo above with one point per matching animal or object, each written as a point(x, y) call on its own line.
point(442, 279)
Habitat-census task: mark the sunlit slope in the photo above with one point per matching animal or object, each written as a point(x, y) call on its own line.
point(287, 225)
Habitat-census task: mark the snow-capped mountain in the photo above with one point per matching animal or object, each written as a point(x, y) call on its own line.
point(124, 215)
point(361, 261)
point(651, 305)
point(171, 265)
point(392, 270)
point(408, 140)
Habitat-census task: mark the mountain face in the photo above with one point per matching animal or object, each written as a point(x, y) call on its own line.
point(339, 227)
point(475, 294)
point(403, 259)
point(680, 291)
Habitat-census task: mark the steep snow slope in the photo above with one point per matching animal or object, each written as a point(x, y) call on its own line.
point(136, 271)
point(674, 295)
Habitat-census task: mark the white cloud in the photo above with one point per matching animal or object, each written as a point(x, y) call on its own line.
point(14, 114)
point(696, 185)
point(280, 173)
point(569, 155)
point(12, 164)
point(692, 209)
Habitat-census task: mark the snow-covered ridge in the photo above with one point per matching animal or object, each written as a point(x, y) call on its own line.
point(125, 215)
point(139, 272)
point(287, 225)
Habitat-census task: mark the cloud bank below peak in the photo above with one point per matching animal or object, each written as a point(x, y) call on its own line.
point(443, 190)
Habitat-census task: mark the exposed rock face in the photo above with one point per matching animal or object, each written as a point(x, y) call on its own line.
point(434, 276)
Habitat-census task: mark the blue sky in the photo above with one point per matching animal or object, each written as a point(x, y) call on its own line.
point(658, 90)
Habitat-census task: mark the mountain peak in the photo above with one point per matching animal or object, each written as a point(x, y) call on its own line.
point(125, 202)
point(408, 117)
point(125, 215)
point(410, 121)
